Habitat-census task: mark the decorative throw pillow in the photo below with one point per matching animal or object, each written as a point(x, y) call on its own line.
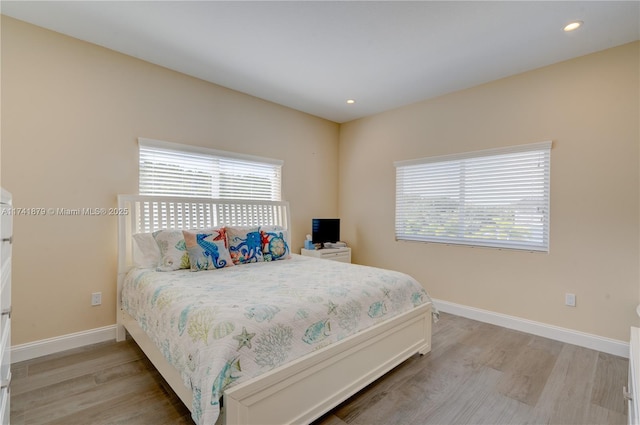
point(245, 245)
point(274, 243)
point(207, 249)
point(173, 251)
point(146, 253)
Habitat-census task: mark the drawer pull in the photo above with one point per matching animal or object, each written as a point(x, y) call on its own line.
point(6, 311)
point(626, 394)
point(5, 383)
point(9, 239)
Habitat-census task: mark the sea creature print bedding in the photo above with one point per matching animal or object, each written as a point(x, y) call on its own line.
point(221, 327)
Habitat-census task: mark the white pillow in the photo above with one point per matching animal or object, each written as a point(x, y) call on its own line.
point(146, 252)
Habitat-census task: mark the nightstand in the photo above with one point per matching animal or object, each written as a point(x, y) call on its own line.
point(335, 254)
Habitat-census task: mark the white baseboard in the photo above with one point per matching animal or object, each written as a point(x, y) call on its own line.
point(47, 346)
point(31, 350)
point(570, 336)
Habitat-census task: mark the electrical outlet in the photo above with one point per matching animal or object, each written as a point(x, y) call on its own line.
point(96, 298)
point(570, 300)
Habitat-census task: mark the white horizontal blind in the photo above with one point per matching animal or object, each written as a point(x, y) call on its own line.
point(170, 169)
point(496, 198)
point(248, 180)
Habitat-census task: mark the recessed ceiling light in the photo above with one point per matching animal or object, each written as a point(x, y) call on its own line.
point(571, 26)
point(351, 101)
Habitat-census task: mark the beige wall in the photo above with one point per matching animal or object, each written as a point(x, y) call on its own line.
point(72, 111)
point(71, 116)
point(589, 108)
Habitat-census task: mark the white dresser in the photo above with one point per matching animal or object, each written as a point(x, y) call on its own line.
point(6, 235)
point(631, 392)
point(336, 254)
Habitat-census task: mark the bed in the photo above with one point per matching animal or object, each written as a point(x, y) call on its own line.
point(257, 380)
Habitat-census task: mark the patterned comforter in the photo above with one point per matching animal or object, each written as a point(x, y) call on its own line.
point(225, 326)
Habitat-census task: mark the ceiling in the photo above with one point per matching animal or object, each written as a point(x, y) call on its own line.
point(314, 55)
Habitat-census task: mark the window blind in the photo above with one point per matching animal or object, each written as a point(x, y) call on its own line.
point(171, 169)
point(495, 198)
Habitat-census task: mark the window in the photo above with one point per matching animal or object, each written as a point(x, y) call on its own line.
point(495, 198)
point(180, 170)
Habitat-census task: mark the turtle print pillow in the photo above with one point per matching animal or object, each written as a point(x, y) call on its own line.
point(274, 243)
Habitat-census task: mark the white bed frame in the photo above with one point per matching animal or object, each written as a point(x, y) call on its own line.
point(300, 391)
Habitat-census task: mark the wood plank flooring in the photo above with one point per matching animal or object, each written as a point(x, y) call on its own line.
point(476, 373)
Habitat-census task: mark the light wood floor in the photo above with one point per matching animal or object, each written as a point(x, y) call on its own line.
point(475, 374)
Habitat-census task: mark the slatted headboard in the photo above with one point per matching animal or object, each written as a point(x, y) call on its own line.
point(144, 214)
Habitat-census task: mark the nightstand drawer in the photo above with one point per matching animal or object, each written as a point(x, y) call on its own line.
point(337, 256)
point(334, 254)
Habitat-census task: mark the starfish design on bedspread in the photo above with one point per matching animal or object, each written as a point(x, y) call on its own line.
point(244, 339)
point(386, 292)
point(331, 307)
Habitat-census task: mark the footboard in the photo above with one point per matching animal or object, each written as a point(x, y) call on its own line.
point(307, 388)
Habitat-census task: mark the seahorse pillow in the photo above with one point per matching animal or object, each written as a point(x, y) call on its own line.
point(245, 244)
point(207, 249)
point(173, 252)
point(274, 243)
